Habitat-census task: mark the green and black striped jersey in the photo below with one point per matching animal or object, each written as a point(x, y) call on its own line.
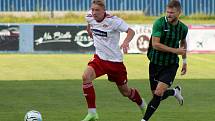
point(170, 35)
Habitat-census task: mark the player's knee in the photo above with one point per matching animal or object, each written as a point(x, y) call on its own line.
point(159, 92)
point(125, 93)
point(85, 78)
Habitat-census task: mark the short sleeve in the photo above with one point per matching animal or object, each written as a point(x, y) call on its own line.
point(120, 25)
point(157, 28)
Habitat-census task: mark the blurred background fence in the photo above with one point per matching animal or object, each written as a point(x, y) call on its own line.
point(149, 7)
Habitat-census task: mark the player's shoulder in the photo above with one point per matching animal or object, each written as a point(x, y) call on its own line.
point(112, 19)
point(89, 15)
point(159, 22)
point(184, 26)
point(109, 15)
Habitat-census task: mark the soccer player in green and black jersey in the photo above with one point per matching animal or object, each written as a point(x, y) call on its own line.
point(168, 40)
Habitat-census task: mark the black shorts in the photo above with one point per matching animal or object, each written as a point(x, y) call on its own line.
point(165, 74)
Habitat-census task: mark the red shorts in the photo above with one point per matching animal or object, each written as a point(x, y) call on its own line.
point(115, 71)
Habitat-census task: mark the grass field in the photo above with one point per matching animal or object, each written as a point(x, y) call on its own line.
point(51, 84)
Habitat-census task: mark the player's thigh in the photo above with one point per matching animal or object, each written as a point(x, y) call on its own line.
point(98, 65)
point(153, 76)
point(117, 73)
point(167, 75)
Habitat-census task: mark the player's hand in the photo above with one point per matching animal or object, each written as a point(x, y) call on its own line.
point(180, 51)
point(90, 34)
point(184, 69)
point(125, 47)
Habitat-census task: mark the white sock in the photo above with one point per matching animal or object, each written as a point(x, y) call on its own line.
point(175, 92)
point(91, 110)
point(142, 120)
point(143, 104)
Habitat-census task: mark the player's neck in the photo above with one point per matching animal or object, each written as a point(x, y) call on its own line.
point(102, 18)
point(175, 22)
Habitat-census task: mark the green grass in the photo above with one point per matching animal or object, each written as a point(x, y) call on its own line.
point(71, 66)
point(51, 84)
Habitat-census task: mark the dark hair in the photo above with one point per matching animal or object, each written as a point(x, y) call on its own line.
point(174, 4)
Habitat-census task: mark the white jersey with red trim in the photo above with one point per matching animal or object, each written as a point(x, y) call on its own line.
point(106, 35)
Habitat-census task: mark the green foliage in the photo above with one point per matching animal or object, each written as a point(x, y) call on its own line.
point(200, 16)
point(79, 18)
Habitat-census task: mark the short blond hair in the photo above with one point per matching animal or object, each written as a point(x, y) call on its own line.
point(99, 2)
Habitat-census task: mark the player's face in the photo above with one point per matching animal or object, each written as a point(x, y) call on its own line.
point(172, 14)
point(98, 12)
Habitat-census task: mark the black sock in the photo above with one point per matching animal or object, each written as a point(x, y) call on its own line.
point(152, 106)
point(167, 93)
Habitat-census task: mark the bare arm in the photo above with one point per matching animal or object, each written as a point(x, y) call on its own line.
point(161, 47)
point(129, 37)
point(183, 44)
point(89, 31)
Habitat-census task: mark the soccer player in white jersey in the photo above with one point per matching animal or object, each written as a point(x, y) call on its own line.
point(105, 31)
